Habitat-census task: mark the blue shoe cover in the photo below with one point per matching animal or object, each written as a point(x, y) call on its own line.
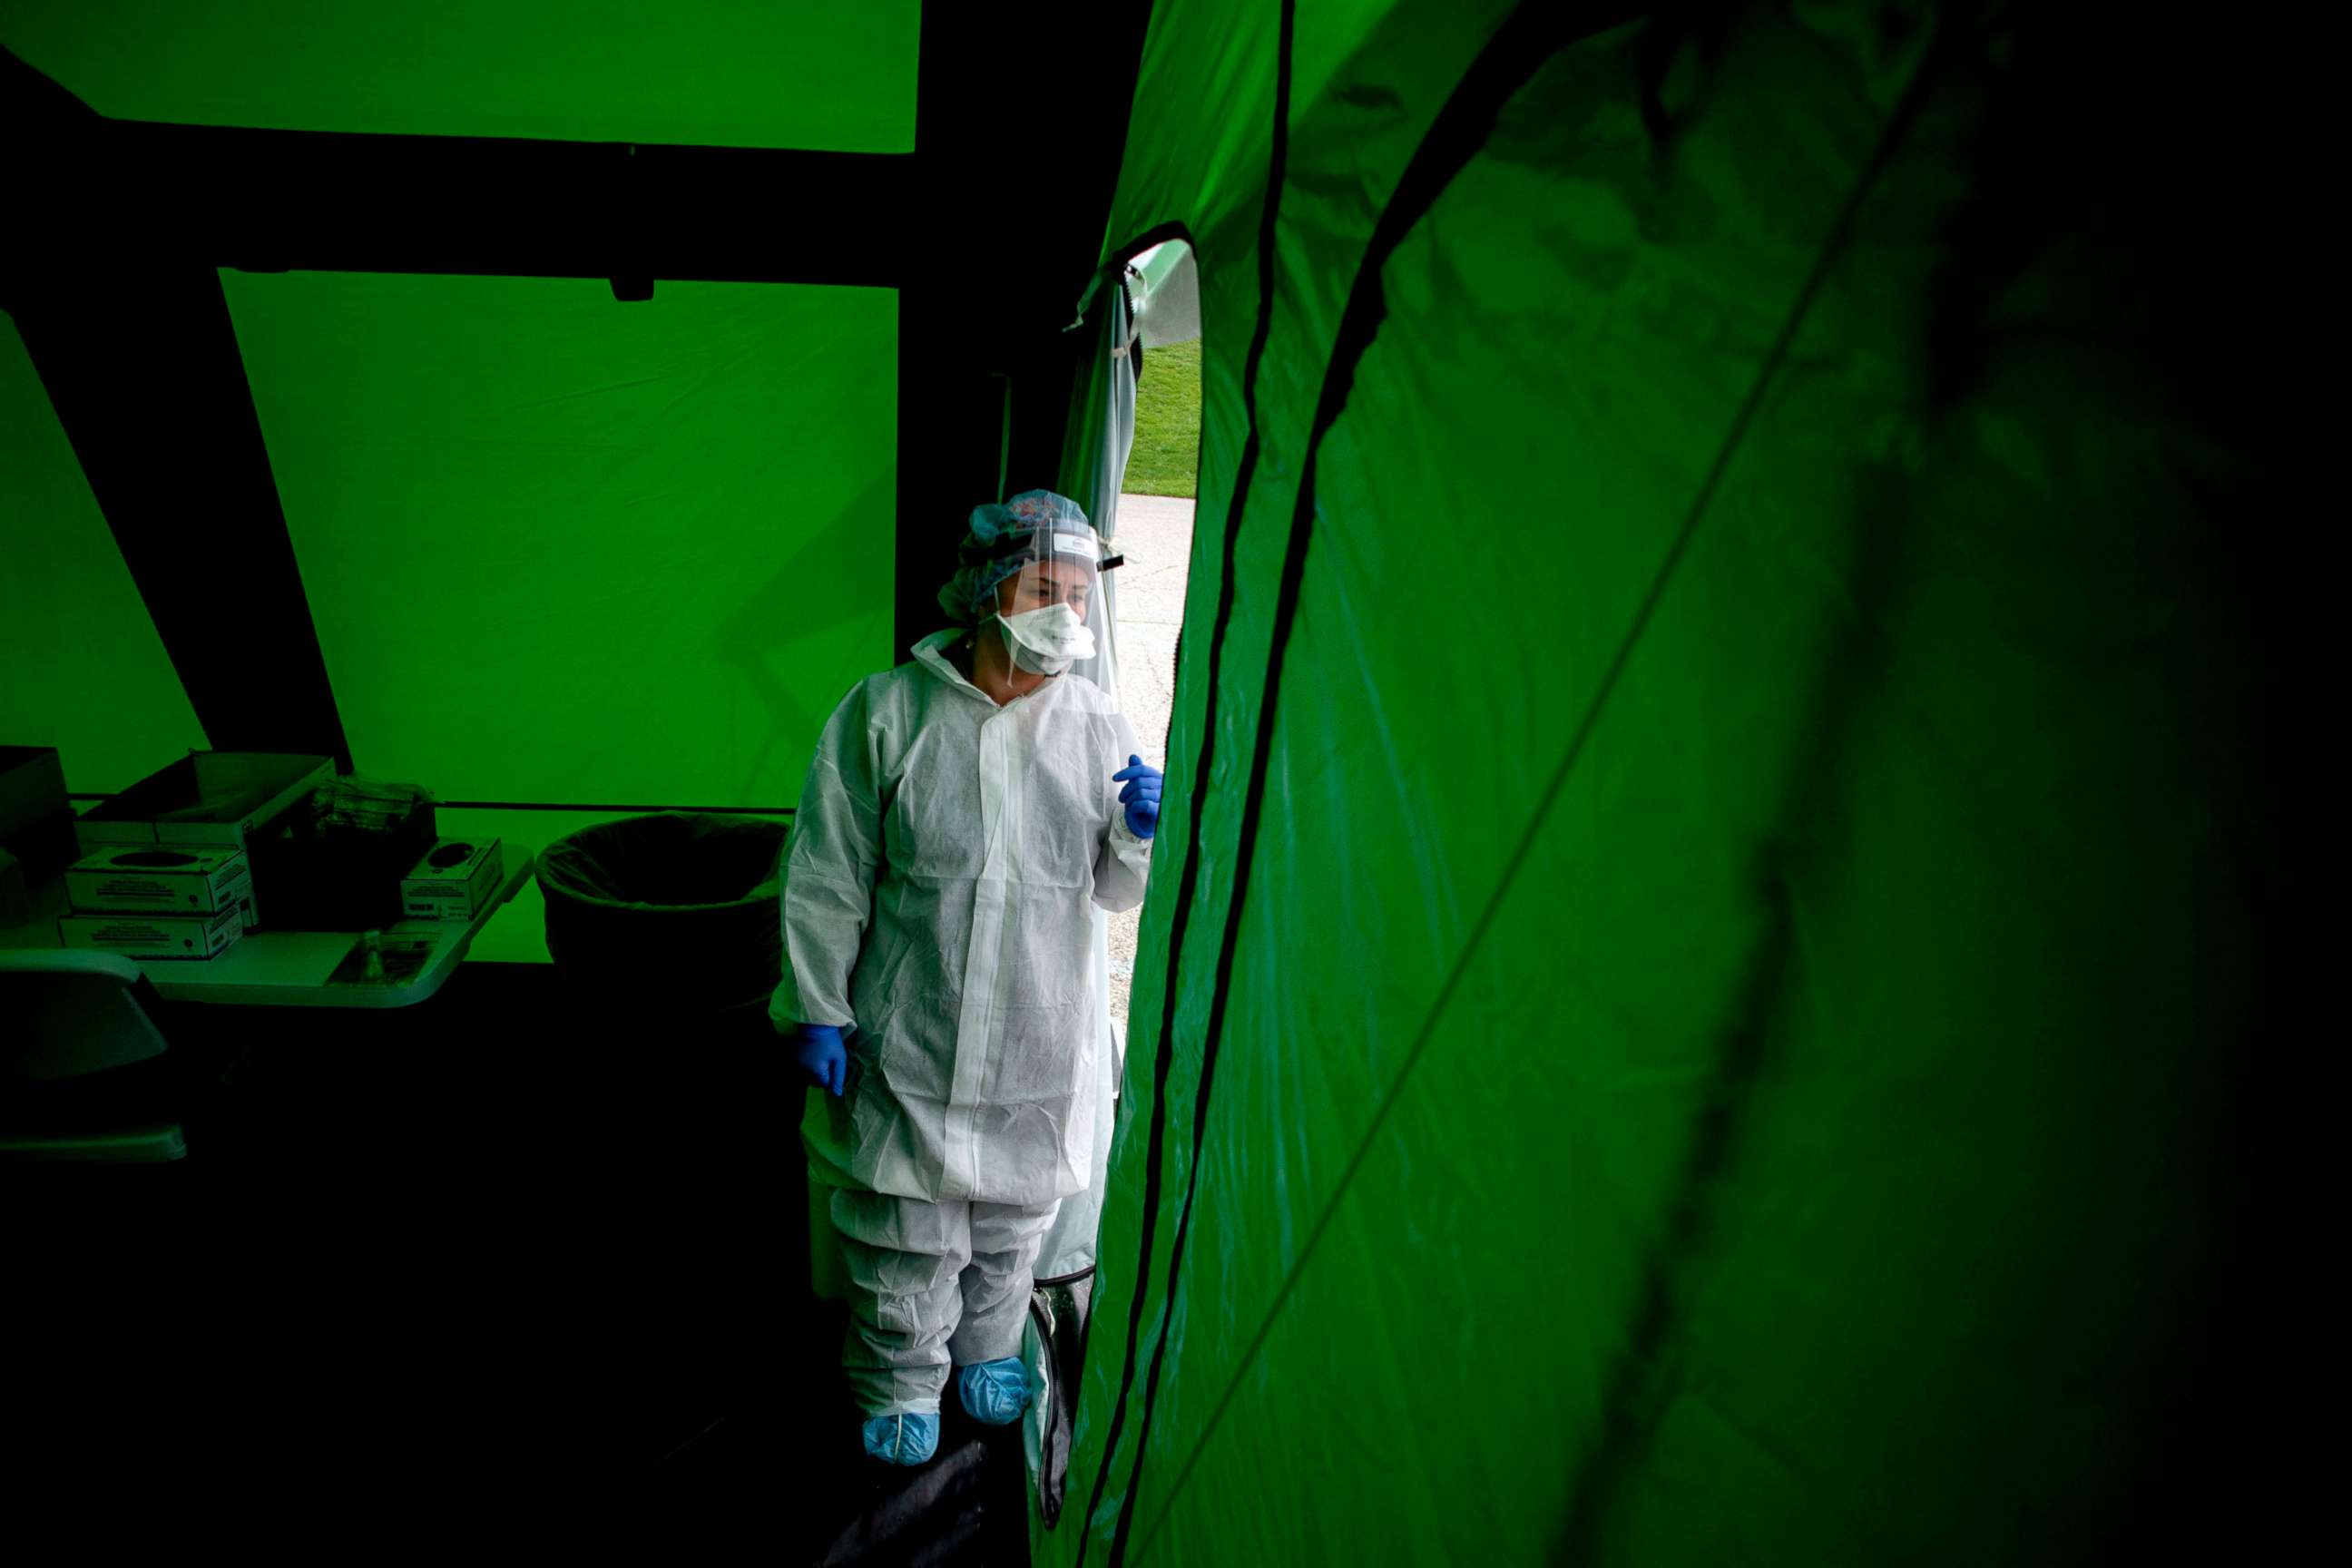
point(995, 1392)
point(908, 1439)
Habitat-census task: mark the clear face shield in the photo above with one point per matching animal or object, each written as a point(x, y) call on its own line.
point(1052, 613)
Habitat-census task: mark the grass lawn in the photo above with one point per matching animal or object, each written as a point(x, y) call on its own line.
point(1167, 454)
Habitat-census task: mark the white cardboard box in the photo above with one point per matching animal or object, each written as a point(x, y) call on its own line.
point(152, 936)
point(457, 891)
point(159, 879)
point(206, 797)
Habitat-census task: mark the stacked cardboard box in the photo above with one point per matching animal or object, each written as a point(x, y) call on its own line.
point(170, 868)
point(158, 900)
point(163, 872)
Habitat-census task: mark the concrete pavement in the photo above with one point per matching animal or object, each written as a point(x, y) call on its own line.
point(1155, 534)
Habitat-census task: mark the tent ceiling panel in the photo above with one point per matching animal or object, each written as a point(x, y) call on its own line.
point(562, 550)
point(752, 73)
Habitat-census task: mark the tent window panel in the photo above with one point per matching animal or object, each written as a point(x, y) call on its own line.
point(810, 74)
point(566, 550)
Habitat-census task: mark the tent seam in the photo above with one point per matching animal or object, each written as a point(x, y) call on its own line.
point(1163, 1058)
point(1512, 54)
point(1833, 246)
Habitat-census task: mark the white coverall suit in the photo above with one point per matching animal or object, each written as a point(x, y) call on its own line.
point(943, 856)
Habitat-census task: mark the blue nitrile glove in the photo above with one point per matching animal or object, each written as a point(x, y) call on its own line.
point(1141, 796)
point(818, 1048)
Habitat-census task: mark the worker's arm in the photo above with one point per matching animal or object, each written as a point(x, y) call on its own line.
point(836, 849)
point(1123, 858)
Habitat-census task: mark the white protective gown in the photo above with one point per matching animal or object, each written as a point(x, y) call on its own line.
point(943, 857)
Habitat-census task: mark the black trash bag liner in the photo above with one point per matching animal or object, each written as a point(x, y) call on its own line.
point(679, 909)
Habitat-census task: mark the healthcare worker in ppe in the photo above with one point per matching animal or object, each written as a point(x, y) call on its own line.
point(961, 813)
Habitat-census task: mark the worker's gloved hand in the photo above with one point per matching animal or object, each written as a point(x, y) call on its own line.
point(818, 1048)
point(1141, 796)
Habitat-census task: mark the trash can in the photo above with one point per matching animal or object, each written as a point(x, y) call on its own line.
point(678, 911)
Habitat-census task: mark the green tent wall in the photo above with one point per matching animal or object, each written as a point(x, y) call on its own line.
point(1693, 1003)
point(527, 491)
point(364, 335)
point(724, 73)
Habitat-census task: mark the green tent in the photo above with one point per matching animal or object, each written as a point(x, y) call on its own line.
point(1706, 992)
point(1703, 1010)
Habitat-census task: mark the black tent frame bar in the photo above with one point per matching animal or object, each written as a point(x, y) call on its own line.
point(114, 231)
point(273, 201)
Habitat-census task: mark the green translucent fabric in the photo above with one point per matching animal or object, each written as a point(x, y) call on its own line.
point(1740, 933)
point(810, 74)
point(566, 550)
